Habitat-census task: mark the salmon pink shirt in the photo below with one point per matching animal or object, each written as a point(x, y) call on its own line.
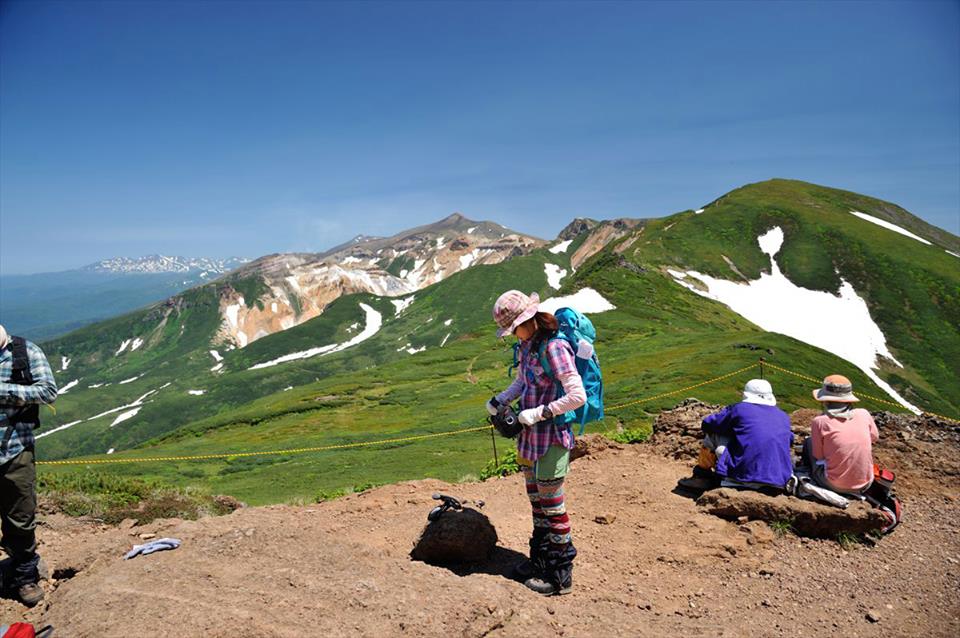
point(847, 448)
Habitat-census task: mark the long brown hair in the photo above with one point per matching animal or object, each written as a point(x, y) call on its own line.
point(547, 326)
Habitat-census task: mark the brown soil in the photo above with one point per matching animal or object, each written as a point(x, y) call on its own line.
point(651, 563)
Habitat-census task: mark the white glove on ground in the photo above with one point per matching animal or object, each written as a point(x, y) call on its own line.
point(530, 416)
point(491, 408)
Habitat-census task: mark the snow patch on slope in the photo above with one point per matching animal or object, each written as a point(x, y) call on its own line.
point(67, 387)
point(123, 346)
point(585, 300)
point(469, 258)
point(889, 226)
point(58, 428)
point(402, 304)
point(64, 363)
point(838, 324)
point(561, 247)
point(126, 416)
point(554, 275)
point(374, 322)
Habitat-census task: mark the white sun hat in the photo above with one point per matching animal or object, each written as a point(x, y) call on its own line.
point(759, 391)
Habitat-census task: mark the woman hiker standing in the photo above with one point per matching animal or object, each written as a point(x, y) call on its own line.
point(543, 446)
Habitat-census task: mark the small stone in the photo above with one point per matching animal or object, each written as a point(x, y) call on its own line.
point(873, 616)
point(249, 532)
point(605, 519)
point(765, 603)
point(147, 536)
point(743, 519)
point(127, 523)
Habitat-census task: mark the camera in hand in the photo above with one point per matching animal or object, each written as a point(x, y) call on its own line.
point(505, 421)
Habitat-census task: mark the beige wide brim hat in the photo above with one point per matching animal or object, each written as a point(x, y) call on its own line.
point(835, 389)
point(513, 308)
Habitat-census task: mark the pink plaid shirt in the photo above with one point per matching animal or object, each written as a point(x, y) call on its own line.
point(535, 388)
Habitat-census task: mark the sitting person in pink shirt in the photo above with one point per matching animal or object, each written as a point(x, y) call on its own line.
point(839, 450)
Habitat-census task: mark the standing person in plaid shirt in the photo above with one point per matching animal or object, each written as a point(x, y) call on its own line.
point(543, 447)
point(22, 389)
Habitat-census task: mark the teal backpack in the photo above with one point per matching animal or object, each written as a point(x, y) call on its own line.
point(576, 328)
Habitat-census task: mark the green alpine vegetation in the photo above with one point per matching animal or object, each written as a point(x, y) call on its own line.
point(431, 366)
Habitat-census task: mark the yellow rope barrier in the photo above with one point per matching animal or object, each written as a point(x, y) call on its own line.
point(198, 457)
point(862, 394)
point(419, 437)
point(686, 389)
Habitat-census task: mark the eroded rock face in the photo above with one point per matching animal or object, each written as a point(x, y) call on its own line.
point(456, 537)
point(807, 518)
point(676, 432)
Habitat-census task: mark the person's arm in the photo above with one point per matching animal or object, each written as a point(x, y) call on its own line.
point(512, 392)
point(43, 389)
point(874, 432)
point(816, 438)
point(574, 394)
point(719, 423)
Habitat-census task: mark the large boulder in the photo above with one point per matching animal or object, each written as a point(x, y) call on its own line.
point(456, 537)
point(807, 518)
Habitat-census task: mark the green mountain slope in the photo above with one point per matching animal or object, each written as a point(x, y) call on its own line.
point(912, 289)
point(661, 338)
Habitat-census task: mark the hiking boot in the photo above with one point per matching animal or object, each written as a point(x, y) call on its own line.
point(524, 569)
point(696, 483)
point(546, 587)
point(30, 594)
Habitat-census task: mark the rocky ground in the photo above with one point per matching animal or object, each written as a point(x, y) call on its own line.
point(651, 563)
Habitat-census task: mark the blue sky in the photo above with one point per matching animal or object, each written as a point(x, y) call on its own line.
point(245, 128)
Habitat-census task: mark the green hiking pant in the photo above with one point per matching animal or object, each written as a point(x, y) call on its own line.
point(18, 515)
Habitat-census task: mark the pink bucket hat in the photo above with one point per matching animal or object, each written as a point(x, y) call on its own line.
point(513, 308)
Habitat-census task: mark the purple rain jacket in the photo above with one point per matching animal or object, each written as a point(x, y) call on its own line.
point(759, 446)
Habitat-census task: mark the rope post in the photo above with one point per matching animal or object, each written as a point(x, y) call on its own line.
point(761, 367)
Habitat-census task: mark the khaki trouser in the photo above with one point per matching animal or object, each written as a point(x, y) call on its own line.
point(18, 515)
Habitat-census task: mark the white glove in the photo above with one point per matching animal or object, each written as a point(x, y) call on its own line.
point(530, 416)
point(491, 408)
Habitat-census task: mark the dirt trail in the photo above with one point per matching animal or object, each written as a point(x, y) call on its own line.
point(661, 568)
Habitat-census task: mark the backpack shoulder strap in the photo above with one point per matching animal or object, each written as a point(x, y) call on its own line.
point(516, 359)
point(20, 372)
point(544, 360)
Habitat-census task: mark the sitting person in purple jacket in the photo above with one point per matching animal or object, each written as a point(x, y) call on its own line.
point(746, 445)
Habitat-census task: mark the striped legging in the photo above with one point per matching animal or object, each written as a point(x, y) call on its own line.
point(549, 507)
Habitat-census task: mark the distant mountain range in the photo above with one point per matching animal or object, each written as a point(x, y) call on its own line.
point(164, 264)
point(45, 305)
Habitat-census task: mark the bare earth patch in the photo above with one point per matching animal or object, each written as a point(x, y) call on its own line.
point(661, 567)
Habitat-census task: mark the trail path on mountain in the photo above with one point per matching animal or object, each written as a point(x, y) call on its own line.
point(661, 567)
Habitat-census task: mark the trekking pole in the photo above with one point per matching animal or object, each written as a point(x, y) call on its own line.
point(496, 459)
point(761, 367)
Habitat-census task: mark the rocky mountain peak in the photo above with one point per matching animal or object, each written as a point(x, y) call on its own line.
point(577, 227)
